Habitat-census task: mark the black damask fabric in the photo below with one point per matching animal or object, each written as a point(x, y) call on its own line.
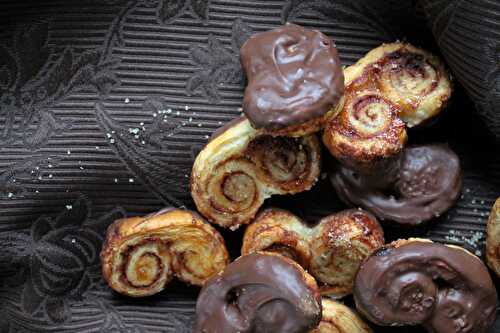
point(104, 104)
point(467, 32)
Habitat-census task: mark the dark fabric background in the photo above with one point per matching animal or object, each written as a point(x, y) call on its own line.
point(105, 104)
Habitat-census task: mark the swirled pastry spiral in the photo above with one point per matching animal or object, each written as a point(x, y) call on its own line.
point(294, 80)
point(367, 134)
point(259, 293)
point(331, 251)
point(493, 238)
point(409, 77)
point(427, 183)
point(338, 318)
point(409, 282)
point(142, 254)
point(241, 167)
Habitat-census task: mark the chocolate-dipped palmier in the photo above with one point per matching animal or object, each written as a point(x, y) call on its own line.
point(259, 293)
point(442, 287)
point(294, 80)
point(409, 77)
point(493, 238)
point(331, 251)
point(241, 167)
point(427, 184)
point(142, 254)
point(338, 318)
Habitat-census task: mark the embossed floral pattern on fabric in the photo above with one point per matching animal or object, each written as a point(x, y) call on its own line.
point(143, 149)
point(106, 104)
point(217, 64)
point(57, 259)
point(26, 95)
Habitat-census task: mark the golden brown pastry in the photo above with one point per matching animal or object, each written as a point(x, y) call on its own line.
point(331, 251)
point(338, 318)
point(445, 288)
point(367, 134)
point(493, 238)
point(241, 167)
point(392, 85)
point(339, 244)
point(142, 254)
point(412, 78)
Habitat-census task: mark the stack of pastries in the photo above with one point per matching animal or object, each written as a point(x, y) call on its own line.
point(291, 274)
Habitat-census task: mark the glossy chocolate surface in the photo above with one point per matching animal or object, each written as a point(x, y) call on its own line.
point(258, 293)
point(427, 184)
point(446, 289)
point(294, 75)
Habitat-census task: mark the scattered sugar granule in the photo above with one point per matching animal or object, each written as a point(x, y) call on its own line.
point(186, 108)
point(127, 100)
point(69, 207)
point(131, 180)
point(116, 180)
point(10, 195)
point(69, 152)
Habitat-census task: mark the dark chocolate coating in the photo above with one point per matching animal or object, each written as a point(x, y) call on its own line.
point(427, 185)
point(446, 289)
point(294, 75)
point(258, 293)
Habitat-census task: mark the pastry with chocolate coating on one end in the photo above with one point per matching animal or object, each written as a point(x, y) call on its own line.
point(445, 288)
point(241, 167)
point(294, 80)
point(259, 293)
point(427, 183)
point(142, 254)
point(338, 318)
point(493, 239)
point(331, 251)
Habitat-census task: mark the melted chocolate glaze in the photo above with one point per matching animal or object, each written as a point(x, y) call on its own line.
point(294, 75)
point(258, 293)
point(428, 183)
point(446, 289)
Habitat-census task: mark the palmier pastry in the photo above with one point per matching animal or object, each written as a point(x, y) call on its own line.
point(367, 135)
point(241, 167)
point(493, 238)
point(294, 79)
point(338, 318)
point(445, 288)
point(259, 293)
point(331, 251)
point(409, 77)
point(142, 254)
point(427, 183)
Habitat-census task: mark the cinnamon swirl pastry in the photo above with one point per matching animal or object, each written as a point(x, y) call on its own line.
point(331, 251)
point(241, 167)
point(260, 292)
point(142, 254)
point(409, 77)
point(442, 287)
point(294, 80)
point(367, 135)
point(426, 184)
point(338, 318)
point(493, 238)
